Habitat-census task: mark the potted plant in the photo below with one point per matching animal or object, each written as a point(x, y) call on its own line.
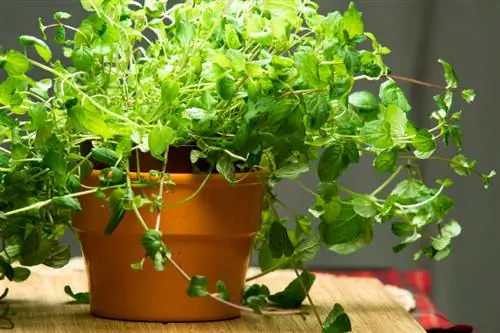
point(162, 134)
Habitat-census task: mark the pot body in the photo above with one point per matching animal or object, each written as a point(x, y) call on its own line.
point(209, 235)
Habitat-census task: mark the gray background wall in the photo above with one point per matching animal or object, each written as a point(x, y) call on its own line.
point(465, 32)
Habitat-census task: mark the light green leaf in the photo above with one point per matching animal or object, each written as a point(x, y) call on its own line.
point(352, 21)
point(41, 47)
point(307, 249)
point(169, 91)
point(364, 206)
point(449, 75)
point(83, 58)
point(364, 101)
point(390, 93)
point(225, 166)
point(462, 166)
point(226, 88)
point(386, 161)
point(286, 9)
point(377, 133)
point(307, 65)
point(424, 142)
point(159, 139)
point(469, 95)
point(16, 63)
point(291, 171)
point(58, 16)
point(231, 36)
point(401, 229)
point(67, 202)
point(397, 119)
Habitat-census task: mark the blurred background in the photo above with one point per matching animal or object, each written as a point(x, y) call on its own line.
point(466, 286)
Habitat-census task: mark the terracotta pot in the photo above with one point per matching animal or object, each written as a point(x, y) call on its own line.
point(209, 235)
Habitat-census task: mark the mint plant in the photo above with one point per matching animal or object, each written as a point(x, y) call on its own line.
point(261, 85)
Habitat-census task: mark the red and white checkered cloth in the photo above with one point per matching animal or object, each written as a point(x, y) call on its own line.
point(419, 283)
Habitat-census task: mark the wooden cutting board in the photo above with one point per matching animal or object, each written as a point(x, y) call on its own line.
point(40, 306)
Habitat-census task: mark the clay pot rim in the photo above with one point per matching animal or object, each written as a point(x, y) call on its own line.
point(241, 178)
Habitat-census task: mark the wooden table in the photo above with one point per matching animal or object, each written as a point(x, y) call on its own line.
point(40, 306)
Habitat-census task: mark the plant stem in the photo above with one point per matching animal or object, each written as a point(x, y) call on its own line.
point(414, 81)
point(269, 270)
point(84, 95)
point(160, 191)
point(194, 194)
point(134, 206)
point(309, 298)
point(388, 181)
point(233, 305)
point(423, 203)
point(305, 188)
point(46, 202)
point(442, 159)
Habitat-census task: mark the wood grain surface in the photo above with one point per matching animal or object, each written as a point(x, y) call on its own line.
point(40, 306)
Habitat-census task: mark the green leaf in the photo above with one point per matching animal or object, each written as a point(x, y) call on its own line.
point(58, 16)
point(364, 101)
point(90, 119)
point(169, 91)
point(462, 166)
point(331, 163)
point(60, 36)
point(83, 58)
point(6, 269)
point(159, 139)
point(469, 95)
point(390, 93)
point(115, 201)
point(364, 206)
point(318, 110)
point(38, 116)
point(303, 225)
point(16, 63)
point(449, 75)
point(67, 202)
point(451, 230)
point(255, 296)
point(34, 250)
point(195, 155)
point(397, 119)
point(401, 229)
point(377, 133)
point(231, 36)
point(105, 155)
point(307, 249)
point(59, 257)
point(291, 171)
point(225, 166)
point(347, 232)
point(286, 9)
point(78, 298)
point(198, 286)
point(337, 321)
point(386, 161)
point(328, 191)
point(424, 142)
point(279, 242)
point(408, 240)
point(294, 294)
point(222, 291)
point(21, 274)
point(41, 47)
point(226, 88)
point(352, 21)
point(308, 66)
